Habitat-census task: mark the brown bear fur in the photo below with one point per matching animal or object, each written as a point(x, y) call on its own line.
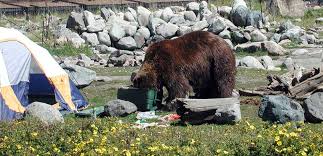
point(198, 61)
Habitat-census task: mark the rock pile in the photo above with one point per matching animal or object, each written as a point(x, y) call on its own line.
point(121, 38)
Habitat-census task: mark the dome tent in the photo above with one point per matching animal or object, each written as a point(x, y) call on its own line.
point(26, 69)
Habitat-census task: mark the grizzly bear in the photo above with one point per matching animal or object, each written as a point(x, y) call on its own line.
point(198, 61)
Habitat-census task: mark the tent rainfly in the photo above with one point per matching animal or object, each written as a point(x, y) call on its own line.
point(28, 69)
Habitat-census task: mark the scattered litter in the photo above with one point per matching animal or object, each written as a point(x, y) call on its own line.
point(170, 118)
point(147, 115)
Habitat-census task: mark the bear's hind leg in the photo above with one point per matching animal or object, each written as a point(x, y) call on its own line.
point(178, 88)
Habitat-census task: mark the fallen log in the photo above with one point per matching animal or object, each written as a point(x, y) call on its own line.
point(258, 92)
point(305, 88)
point(198, 111)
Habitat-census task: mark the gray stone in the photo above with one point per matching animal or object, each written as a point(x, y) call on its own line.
point(276, 38)
point(286, 25)
point(130, 30)
point(267, 62)
point(319, 20)
point(299, 52)
point(281, 109)
point(289, 64)
point(103, 49)
point(314, 108)
point(200, 25)
point(254, 18)
point(177, 9)
point(167, 30)
point(249, 47)
point(129, 17)
point(293, 8)
point(143, 16)
point(119, 108)
point(97, 26)
point(273, 48)
point(230, 25)
point(293, 34)
point(106, 13)
point(154, 23)
point(184, 30)
point(167, 14)
point(119, 61)
point(87, 61)
point(250, 62)
point(193, 6)
point(88, 18)
point(80, 76)
point(157, 14)
point(140, 39)
point(45, 113)
point(217, 26)
point(229, 43)
point(117, 32)
point(177, 19)
point(104, 38)
point(239, 16)
point(133, 12)
point(225, 34)
point(127, 43)
point(311, 39)
point(155, 38)
point(238, 37)
point(224, 11)
point(204, 10)
point(189, 15)
point(247, 36)
point(90, 38)
point(257, 36)
point(144, 32)
point(75, 21)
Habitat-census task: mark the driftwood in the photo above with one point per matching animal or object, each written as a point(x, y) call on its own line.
point(307, 87)
point(198, 111)
point(294, 84)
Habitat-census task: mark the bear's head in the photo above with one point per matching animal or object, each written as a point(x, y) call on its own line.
point(146, 77)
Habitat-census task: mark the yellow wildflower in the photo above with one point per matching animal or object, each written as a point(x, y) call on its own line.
point(34, 134)
point(277, 138)
point(252, 127)
point(127, 153)
point(303, 153)
point(293, 134)
point(279, 143)
point(225, 152)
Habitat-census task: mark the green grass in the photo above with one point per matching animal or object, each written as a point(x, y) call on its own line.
point(241, 54)
point(68, 50)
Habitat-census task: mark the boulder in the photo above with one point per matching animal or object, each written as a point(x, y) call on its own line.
point(189, 15)
point(257, 36)
point(90, 38)
point(314, 108)
point(88, 18)
point(104, 38)
point(204, 10)
point(200, 25)
point(288, 8)
point(217, 26)
point(177, 9)
point(154, 23)
point(249, 47)
point(103, 49)
point(247, 36)
point(119, 108)
point(75, 22)
point(97, 26)
point(225, 34)
point(140, 39)
point(238, 37)
point(229, 43)
point(80, 76)
point(86, 60)
point(193, 6)
point(183, 30)
point(106, 13)
point(273, 48)
point(127, 43)
point(167, 30)
point(121, 60)
point(129, 17)
point(250, 62)
point(299, 52)
point(133, 13)
point(286, 25)
point(254, 18)
point(143, 16)
point(239, 15)
point(45, 113)
point(144, 32)
point(117, 32)
point(281, 109)
point(267, 62)
point(177, 19)
point(224, 11)
point(167, 14)
point(293, 34)
point(130, 29)
point(276, 37)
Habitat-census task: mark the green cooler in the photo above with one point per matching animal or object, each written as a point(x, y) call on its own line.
point(144, 99)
